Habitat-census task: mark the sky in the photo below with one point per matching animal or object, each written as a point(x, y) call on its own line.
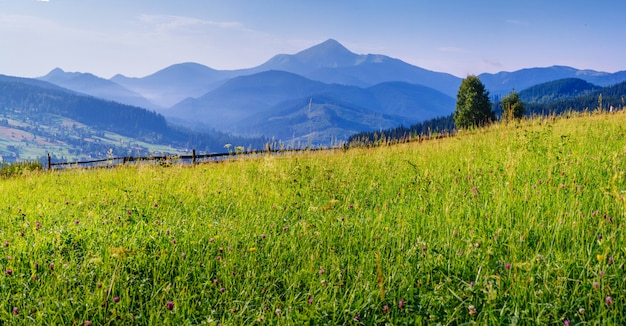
point(139, 37)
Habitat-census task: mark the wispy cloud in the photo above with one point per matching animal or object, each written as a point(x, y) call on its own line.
point(492, 63)
point(167, 22)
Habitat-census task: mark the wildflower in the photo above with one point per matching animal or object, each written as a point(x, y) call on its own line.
point(507, 266)
point(472, 310)
point(76, 222)
point(87, 322)
point(608, 300)
point(581, 311)
point(219, 257)
point(252, 249)
point(9, 272)
point(471, 283)
point(222, 290)
point(385, 308)
point(566, 322)
point(9, 258)
point(116, 299)
point(15, 311)
point(170, 305)
point(596, 285)
point(6, 243)
point(401, 304)
point(21, 233)
point(51, 266)
point(278, 312)
point(356, 318)
point(610, 260)
point(321, 271)
point(215, 282)
point(263, 236)
point(599, 257)
point(310, 301)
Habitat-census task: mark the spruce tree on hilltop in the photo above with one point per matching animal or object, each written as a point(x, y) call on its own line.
point(473, 107)
point(512, 107)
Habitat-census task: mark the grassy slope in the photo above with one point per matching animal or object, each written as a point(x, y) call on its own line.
point(522, 222)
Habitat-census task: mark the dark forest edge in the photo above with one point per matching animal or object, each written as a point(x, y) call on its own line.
point(594, 98)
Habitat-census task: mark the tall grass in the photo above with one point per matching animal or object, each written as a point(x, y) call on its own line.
point(516, 223)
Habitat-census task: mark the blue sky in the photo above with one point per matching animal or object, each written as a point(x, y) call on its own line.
point(139, 37)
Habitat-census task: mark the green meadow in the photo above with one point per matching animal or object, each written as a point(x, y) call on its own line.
point(517, 223)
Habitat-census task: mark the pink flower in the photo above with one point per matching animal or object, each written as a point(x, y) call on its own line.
point(608, 300)
point(9, 272)
point(116, 299)
point(170, 305)
point(507, 266)
point(401, 304)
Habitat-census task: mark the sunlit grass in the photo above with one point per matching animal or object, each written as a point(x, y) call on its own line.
point(513, 223)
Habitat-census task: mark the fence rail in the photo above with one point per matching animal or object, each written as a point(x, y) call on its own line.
point(192, 159)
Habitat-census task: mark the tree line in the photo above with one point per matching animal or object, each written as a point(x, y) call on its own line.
point(474, 108)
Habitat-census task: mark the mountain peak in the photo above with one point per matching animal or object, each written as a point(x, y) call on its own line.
point(329, 49)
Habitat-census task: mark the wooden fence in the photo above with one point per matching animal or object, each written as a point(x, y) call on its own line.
point(170, 159)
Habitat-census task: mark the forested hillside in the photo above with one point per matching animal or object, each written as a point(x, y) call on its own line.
point(38, 118)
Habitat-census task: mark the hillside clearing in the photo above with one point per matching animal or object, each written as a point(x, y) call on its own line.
point(516, 223)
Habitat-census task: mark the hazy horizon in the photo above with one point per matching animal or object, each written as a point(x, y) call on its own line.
point(141, 37)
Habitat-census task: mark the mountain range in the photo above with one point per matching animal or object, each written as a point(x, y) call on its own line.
point(317, 96)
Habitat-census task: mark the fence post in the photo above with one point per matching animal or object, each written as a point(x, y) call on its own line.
point(193, 156)
point(49, 161)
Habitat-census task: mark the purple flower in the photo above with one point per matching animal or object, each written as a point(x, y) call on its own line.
point(15, 311)
point(9, 272)
point(263, 236)
point(385, 308)
point(170, 305)
point(310, 301)
point(401, 304)
point(566, 322)
point(608, 300)
point(116, 299)
point(507, 266)
point(596, 285)
point(76, 222)
point(51, 266)
point(222, 290)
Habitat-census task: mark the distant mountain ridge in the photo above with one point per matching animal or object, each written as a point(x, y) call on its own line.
point(90, 84)
point(243, 104)
point(327, 74)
